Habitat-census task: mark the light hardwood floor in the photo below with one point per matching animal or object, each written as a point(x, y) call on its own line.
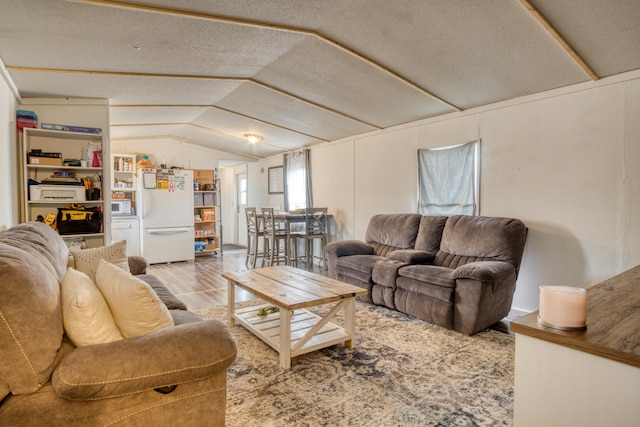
point(199, 284)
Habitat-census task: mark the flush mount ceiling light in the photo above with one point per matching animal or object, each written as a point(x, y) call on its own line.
point(253, 138)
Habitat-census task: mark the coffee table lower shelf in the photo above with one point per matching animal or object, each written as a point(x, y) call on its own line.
point(308, 331)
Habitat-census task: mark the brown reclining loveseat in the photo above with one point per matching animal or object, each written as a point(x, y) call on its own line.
point(458, 272)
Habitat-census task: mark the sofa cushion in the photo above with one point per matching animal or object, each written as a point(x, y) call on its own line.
point(31, 258)
point(382, 250)
point(398, 231)
point(429, 308)
point(385, 272)
point(42, 242)
point(136, 308)
point(167, 297)
point(430, 233)
point(357, 266)
point(180, 317)
point(467, 239)
point(429, 274)
point(422, 291)
point(86, 315)
point(86, 260)
point(137, 264)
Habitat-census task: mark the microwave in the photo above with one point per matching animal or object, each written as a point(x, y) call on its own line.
point(121, 207)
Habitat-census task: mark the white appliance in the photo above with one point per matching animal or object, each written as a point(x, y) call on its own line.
point(120, 207)
point(164, 205)
point(75, 193)
point(127, 228)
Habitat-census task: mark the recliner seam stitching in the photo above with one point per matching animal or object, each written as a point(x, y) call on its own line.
point(6, 322)
point(60, 376)
point(163, 404)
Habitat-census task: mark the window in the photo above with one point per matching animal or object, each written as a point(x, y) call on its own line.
point(242, 191)
point(297, 180)
point(450, 180)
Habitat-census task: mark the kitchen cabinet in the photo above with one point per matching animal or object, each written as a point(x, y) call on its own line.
point(127, 228)
point(53, 176)
point(206, 212)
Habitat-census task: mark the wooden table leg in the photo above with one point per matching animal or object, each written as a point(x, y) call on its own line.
point(285, 338)
point(231, 301)
point(350, 320)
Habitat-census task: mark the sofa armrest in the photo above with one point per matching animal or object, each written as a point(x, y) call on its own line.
point(485, 271)
point(412, 256)
point(137, 265)
point(341, 248)
point(170, 356)
point(348, 248)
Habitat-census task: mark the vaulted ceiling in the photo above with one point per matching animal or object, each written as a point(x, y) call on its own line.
point(300, 73)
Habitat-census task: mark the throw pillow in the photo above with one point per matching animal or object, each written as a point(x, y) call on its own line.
point(86, 260)
point(85, 314)
point(136, 308)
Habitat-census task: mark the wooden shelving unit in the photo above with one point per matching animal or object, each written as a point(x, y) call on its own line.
point(123, 178)
point(123, 172)
point(206, 212)
point(70, 146)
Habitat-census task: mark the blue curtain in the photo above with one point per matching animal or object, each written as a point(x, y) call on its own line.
point(450, 180)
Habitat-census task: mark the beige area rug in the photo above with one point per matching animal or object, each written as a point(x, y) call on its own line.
point(401, 372)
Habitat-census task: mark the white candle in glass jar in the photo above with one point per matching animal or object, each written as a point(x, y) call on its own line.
point(563, 306)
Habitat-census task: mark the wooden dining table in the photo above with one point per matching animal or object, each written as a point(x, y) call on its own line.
point(289, 218)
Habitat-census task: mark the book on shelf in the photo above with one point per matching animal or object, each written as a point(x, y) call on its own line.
point(27, 114)
point(66, 181)
point(69, 128)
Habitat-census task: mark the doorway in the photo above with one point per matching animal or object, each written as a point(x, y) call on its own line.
point(240, 234)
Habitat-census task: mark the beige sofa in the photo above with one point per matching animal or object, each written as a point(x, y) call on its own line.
point(173, 376)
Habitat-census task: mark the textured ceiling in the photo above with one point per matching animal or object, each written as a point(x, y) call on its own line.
point(301, 73)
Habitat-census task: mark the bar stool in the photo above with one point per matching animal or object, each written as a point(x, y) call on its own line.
point(254, 232)
point(275, 233)
point(315, 228)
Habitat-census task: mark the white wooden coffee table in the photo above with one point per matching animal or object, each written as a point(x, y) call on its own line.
point(292, 330)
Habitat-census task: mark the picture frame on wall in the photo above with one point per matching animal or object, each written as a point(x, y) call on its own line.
point(276, 180)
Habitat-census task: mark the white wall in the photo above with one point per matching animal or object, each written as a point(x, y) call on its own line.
point(173, 152)
point(9, 214)
point(566, 162)
point(555, 163)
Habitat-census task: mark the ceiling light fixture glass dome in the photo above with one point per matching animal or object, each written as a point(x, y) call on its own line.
point(252, 138)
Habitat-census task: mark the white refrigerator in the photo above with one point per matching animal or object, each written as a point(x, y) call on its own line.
point(164, 204)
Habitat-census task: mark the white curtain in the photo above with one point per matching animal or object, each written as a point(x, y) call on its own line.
point(450, 180)
point(297, 180)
